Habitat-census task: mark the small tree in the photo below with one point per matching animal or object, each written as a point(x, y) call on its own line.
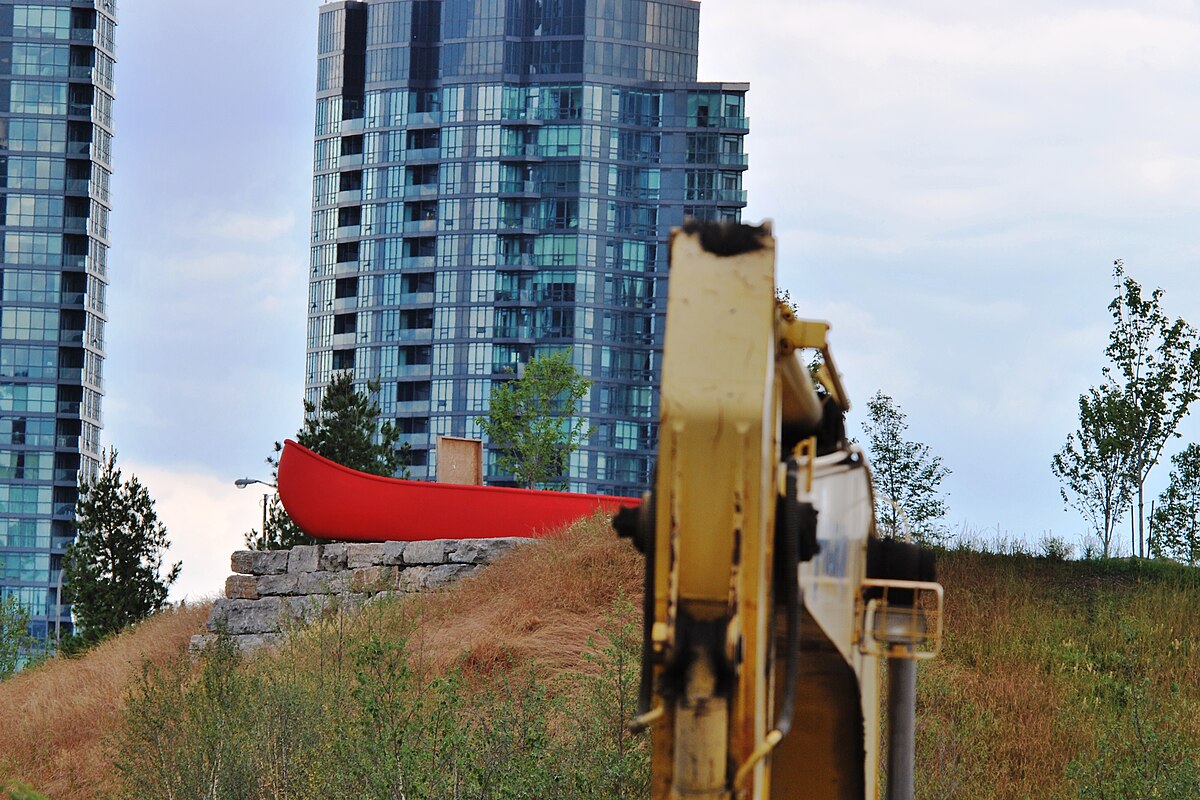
point(1176, 521)
point(113, 570)
point(1093, 467)
point(905, 472)
point(1156, 368)
point(345, 428)
point(15, 641)
point(531, 421)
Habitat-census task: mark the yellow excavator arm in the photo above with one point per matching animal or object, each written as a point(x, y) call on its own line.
point(769, 598)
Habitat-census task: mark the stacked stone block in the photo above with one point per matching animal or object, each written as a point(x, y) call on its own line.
point(274, 591)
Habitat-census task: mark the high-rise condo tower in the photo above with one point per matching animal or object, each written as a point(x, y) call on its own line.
point(495, 179)
point(56, 105)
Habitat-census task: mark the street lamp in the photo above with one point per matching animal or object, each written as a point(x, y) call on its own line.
point(242, 483)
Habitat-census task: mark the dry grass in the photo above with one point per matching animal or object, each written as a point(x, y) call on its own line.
point(1039, 658)
point(538, 605)
point(57, 715)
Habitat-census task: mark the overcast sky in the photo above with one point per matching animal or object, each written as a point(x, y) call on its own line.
point(949, 182)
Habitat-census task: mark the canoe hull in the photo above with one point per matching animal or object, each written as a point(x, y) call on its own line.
point(330, 501)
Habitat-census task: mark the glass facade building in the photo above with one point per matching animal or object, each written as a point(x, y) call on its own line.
point(56, 102)
point(496, 179)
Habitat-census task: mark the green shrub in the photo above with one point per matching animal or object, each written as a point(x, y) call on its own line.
point(364, 716)
point(21, 791)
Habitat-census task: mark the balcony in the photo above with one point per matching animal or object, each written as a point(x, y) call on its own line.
point(80, 72)
point(508, 369)
point(424, 119)
point(414, 335)
point(414, 371)
point(345, 303)
point(420, 226)
point(525, 116)
point(420, 441)
point(346, 268)
point(352, 125)
point(75, 261)
point(518, 187)
point(78, 186)
point(412, 407)
point(521, 152)
point(420, 190)
point(344, 340)
point(71, 336)
point(83, 35)
point(419, 155)
point(416, 298)
point(733, 160)
point(514, 297)
point(349, 232)
point(349, 197)
point(71, 407)
point(66, 475)
point(521, 224)
point(75, 224)
point(355, 160)
point(418, 263)
point(517, 260)
point(730, 122)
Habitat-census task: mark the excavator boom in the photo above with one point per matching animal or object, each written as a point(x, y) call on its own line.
point(766, 585)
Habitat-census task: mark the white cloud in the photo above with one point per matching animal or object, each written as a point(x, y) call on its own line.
point(206, 517)
point(248, 227)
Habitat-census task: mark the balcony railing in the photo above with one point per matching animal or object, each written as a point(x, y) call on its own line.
point(420, 226)
point(421, 190)
point(422, 154)
point(517, 259)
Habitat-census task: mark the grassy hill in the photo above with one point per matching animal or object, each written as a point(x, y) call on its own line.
point(1058, 680)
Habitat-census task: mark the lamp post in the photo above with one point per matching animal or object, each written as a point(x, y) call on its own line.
point(242, 483)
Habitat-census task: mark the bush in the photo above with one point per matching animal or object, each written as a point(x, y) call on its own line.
point(353, 711)
point(1055, 548)
point(20, 791)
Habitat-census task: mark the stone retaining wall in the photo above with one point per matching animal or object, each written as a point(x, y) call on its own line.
point(273, 591)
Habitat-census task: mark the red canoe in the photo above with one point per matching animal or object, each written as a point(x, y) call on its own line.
point(330, 501)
